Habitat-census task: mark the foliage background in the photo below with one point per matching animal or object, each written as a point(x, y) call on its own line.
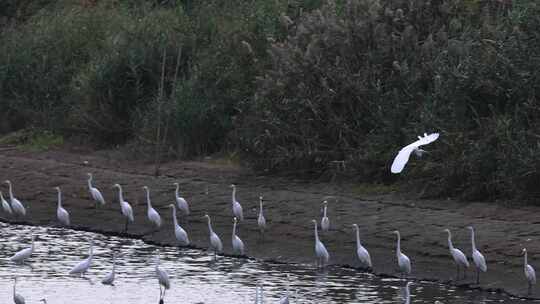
point(292, 85)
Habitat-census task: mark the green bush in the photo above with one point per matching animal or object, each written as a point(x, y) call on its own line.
point(355, 81)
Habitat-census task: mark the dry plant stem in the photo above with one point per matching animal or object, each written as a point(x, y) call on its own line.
point(157, 158)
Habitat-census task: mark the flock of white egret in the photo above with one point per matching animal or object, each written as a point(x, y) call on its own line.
point(16, 209)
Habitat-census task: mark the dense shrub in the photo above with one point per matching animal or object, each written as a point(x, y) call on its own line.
point(354, 81)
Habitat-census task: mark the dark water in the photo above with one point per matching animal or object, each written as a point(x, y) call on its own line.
point(195, 277)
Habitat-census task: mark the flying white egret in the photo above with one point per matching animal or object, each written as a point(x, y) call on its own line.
point(180, 201)
point(215, 241)
point(153, 215)
point(95, 194)
point(83, 266)
point(24, 254)
point(125, 206)
point(109, 278)
point(407, 293)
point(530, 274)
point(17, 298)
point(61, 214)
point(361, 252)
point(478, 258)
point(163, 279)
point(404, 262)
point(320, 249)
point(5, 205)
point(179, 232)
point(325, 222)
point(261, 221)
point(459, 257)
point(236, 207)
point(16, 206)
point(403, 156)
point(237, 244)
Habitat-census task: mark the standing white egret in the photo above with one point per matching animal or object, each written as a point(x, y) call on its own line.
point(236, 207)
point(83, 266)
point(109, 278)
point(180, 201)
point(237, 244)
point(404, 262)
point(179, 232)
point(459, 257)
point(407, 293)
point(320, 249)
point(95, 194)
point(163, 279)
point(361, 252)
point(215, 241)
point(152, 214)
point(478, 258)
point(125, 206)
point(325, 222)
point(530, 274)
point(17, 298)
point(5, 205)
point(61, 214)
point(261, 221)
point(24, 254)
point(403, 156)
point(16, 206)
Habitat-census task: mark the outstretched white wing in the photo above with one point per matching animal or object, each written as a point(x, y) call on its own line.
point(401, 159)
point(427, 139)
point(403, 156)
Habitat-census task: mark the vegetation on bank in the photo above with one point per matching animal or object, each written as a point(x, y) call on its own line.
point(292, 85)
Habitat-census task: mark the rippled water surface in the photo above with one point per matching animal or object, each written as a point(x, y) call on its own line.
point(195, 277)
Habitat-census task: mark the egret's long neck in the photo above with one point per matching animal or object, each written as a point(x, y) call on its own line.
point(260, 207)
point(407, 295)
point(324, 211)
point(358, 244)
point(450, 245)
point(177, 191)
point(398, 250)
point(120, 195)
point(90, 182)
point(472, 240)
point(234, 194)
point(148, 203)
point(234, 229)
point(316, 233)
point(10, 191)
point(525, 261)
point(210, 225)
point(175, 221)
point(59, 199)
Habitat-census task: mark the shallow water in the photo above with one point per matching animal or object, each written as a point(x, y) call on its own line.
point(195, 277)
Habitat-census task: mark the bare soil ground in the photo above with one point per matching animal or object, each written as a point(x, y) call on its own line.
point(501, 230)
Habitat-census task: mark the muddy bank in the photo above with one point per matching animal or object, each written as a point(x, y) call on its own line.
point(501, 231)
